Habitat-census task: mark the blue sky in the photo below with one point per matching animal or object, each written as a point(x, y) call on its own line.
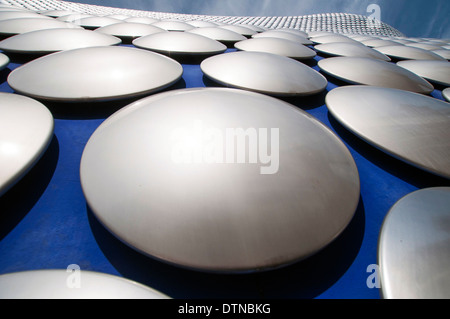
point(414, 18)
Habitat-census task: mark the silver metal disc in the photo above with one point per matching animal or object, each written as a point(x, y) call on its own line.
point(424, 46)
point(96, 22)
point(53, 40)
point(20, 15)
point(173, 25)
point(202, 24)
point(56, 13)
point(95, 74)
point(446, 94)
point(283, 35)
point(437, 72)
point(219, 34)
point(26, 128)
point(4, 61)
point(73, 17)
point(128, 31)
point(264, 73)
point(443, 53)
point(403, 52)
point(194, 200)
point(145, 20)
point(18, 26)
point(293, 31)
point(374, 72)
point(409, 126)
point(377, 43)
point(278, 46)
point(72, 284)
point(350, 50)
point(180, 43)
point(245, 31)
point(413, 250)
point(334, 39)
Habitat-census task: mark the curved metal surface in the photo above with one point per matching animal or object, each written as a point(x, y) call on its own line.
point(348, 49)
point(74, 16)
point(53, 40)
point(173, 25)
point(26, 128)
point(72, 284)
point(245, 31)
point(95, 22)
point(443, 53)
point(96, 74)
point(18, 26)
point(425, 46)
point(8, 15)
point(222, 35)
point(202, 24)
point(437, 72)
point(446, 94)
point(277, 46)
point(4, 61)
point(409, 126)
point(265, 73)
point(403, 52)
point(413, 250)
point(187, 201)
point(283, 35)
point(374, 72)
point(377, 43)
point(145, 20)
point(335, 38)
point(180, 44)
point(128, 31)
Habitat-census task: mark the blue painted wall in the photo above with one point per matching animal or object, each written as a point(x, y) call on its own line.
point(414, 18)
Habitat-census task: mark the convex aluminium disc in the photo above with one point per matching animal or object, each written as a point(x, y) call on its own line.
point(128, 31)
point(413, 250)
point(436, 72)
point(277, 46)
point(409, 126)
point(26, 128)
point(222, 35)
point(446, 94)
point(283, 35)
point(4, 61)
point(264, 73)
point(377, 43)
point(95, 74)
point(175, 44)
point(199, 197)
point(18, 26)
point(145, 20)
point(334, 39)
point(53, 40)
point(173, 25)
point(374, 72)
point(21, 14)
point(347, 49)
point(443, 53)
point(72, 284)
point(92, 23)
point(403, 52)
point(245, 31)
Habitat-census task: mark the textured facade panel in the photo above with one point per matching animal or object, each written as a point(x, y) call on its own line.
point(333, 22)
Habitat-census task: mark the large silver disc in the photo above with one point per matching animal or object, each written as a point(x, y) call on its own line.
point(374, 72)
point(94, 74)
point(409, 126)
point(72, 284)
point(265, 73)
point(26, 128)
point(199, 196)
point(53, 40)
point(413, 249)
point(436, 72)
